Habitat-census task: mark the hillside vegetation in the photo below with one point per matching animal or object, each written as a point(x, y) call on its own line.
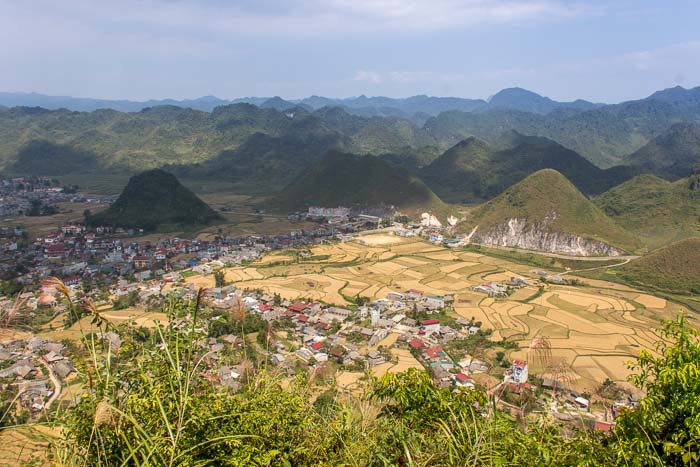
point(603, 135)
point(473, 170)
point(152, 200)
point(168, 135)
point(673, 154)
point(341, 179)
point(674, 268)
point(656, 210)
point(548, 202)
point(165, 135)
point(174, 414)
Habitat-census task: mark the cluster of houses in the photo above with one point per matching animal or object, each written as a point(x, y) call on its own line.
point(17, 195)
point(28, 366)
point(75, 253)
point(318, 333)
point(501, 289)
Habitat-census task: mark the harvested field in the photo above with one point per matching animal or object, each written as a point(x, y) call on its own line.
point(592, 329)
point(650, 301)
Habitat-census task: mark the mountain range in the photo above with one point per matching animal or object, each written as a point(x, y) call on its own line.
point(169, 135)
point(473, 170)
point(513, 98)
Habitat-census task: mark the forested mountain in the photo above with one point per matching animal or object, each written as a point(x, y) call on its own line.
point(153, 200)
point(473, 170)
point(244, 140)
point(546, 212)
point(165, 135)
point(673, 154)
point(656, 210)
point(349, 180)
point(603, 135)
point(673, 268)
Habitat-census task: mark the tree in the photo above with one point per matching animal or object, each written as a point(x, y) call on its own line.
point(219, 279)
point(665, 429)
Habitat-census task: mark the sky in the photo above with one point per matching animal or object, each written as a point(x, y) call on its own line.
point(603, 51)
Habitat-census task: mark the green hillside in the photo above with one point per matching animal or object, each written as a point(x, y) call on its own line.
point(263, 163)
point(39, 157)
point(473, 170)
point(153, 200)
point(603, 135)
point(656, 210)
point(349, 180)
point(549, 202)
point(673, 154)
point(674, 268)
point(168, 135)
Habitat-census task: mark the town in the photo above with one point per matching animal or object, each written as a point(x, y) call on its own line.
point(405, 329)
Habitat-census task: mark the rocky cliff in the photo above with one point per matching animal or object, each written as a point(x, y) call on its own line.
point(517, 232)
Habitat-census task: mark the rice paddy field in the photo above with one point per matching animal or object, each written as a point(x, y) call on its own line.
point(594, 330)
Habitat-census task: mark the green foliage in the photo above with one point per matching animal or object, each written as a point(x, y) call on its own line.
point(674, 268)
point(126, 301)
point(665, 429)
point(155, 199)
point(349, 180)
point(472, 170)
point(548, 200)
point(219, 279)
point(658, 211)
point(10, 288)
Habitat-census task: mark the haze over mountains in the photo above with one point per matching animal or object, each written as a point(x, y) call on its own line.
point(512, 98)
point(337, 152)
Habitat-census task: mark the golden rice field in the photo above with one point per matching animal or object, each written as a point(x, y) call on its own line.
point(593, 330)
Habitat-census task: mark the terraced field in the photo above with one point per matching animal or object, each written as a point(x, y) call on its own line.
point(593, 330)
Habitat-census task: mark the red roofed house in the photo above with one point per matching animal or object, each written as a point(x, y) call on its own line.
point(434, 352)
point(431, 325)
point(72, 280)
point(299, 307)
point(316, 346)
point(302, 318)
point(461, 377)
point(56, 250)
point(603, 426)
point(415, 344)
point(263, 308)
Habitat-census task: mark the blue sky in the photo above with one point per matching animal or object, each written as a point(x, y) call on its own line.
point(141, 49)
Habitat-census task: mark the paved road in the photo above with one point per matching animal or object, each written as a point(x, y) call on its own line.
point(560, 256)
point(625, 261)
point(56, 384)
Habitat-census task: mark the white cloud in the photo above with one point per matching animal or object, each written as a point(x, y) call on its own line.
point(298, 17)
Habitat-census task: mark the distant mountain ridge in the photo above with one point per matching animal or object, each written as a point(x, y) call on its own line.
point(34, 140)
point(528, 101)
point(513, 98)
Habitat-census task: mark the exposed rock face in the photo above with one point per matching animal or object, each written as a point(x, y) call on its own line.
point(538, 236)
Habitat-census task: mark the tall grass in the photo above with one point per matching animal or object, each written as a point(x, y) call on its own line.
point(152, 404)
